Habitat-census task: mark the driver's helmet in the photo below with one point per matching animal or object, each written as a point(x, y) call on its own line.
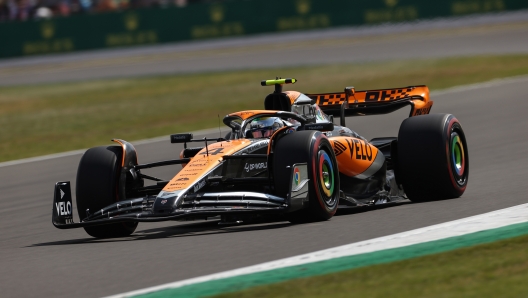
point(263, 127)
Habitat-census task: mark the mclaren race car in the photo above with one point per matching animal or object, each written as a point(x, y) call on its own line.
point(289, 158)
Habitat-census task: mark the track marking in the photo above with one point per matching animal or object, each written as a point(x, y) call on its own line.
point(462, 88)
point(487, 221)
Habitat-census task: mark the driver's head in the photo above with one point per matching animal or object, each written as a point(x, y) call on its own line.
point(264, 127)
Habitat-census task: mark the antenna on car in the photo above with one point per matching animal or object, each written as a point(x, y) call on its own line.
point(219, 130)
point(278, 82)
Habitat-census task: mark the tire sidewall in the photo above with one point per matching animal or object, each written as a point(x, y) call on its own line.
point(425, 157)
point(305, 147)
point(97, 186)
point(320, 150)
point(458, 182)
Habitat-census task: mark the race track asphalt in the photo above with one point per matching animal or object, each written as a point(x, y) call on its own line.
point(38, 259)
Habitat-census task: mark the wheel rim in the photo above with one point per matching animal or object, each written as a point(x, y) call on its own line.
point(458, 158)
point(326, 178)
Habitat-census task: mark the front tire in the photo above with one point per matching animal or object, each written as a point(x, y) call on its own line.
point(313, 148)
point(433, 161)
point(97, 187)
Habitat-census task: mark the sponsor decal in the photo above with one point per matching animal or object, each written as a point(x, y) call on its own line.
point(305, 19)
point(422, 111)
point(303, 6)
point(183, 179)
point(163, 201)
point(391, 3)
point(64, 208)
point(392, 13)
point(361, 149)
point(47, 29)
point(179, 137)
point(197, 164)
point(319, 126)
point(296, 175)
point(189, 174)
point(131, 21)
point(318, 114)
point(168, 193)
point(254, 147)
point(339, 148)
point(199, 185)
point(255, 166)
point(175, 184)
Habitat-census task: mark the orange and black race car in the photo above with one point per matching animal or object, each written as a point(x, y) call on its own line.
point(289, 158)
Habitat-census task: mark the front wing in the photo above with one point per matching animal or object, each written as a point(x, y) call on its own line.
point(194, 205)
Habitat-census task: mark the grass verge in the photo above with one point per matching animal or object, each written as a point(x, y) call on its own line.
point(498, 269)
point(45, 119)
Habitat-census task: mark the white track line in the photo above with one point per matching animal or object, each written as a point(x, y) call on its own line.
point(486, 221)
point(462, 88)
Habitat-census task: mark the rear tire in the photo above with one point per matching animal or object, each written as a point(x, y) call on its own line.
point(313, 148)
point(97, 187)
point(433, 161)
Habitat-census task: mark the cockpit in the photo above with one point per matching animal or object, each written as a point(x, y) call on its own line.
point(303, 106)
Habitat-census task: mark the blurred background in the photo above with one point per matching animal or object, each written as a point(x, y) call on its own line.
point(32, 27)
point(75, 73)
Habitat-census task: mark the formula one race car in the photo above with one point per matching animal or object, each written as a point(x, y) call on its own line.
point(289, 158)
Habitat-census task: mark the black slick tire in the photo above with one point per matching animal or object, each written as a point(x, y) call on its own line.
point(433, 161)
point(97, 187)
point(313, 148)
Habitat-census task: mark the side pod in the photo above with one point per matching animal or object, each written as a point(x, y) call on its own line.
point(62, 204)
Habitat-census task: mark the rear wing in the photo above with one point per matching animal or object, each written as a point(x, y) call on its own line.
point(374, 102)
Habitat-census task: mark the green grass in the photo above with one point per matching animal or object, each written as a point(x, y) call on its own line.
point(44, 119)
point(499, 269)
